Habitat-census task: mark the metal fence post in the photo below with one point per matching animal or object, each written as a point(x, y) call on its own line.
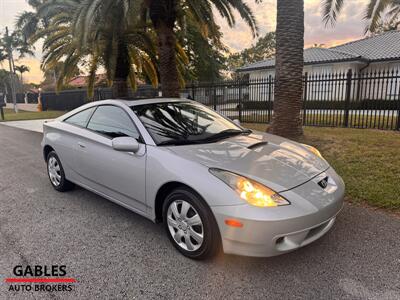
point(193, 91)
point(240, 100)
point(269, 98)
point(347, 99)
point(214, 95)
point(398, 111)
point(305, 97)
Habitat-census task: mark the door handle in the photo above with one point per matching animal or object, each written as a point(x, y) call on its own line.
point(81, 145)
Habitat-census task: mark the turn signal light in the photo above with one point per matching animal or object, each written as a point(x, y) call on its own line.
point(233, 223)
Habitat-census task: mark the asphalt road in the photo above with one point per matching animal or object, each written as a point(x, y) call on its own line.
point(114, 253)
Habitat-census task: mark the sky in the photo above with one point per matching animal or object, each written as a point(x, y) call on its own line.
point(350, 26)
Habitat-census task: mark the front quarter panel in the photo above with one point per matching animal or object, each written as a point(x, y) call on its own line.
point(164, 166)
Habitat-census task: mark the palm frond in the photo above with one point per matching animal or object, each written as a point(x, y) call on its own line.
point(330, 11)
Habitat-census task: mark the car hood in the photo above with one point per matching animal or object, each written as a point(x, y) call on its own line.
point(276, 162)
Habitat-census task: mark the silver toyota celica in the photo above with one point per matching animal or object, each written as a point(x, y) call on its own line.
point(210, 181)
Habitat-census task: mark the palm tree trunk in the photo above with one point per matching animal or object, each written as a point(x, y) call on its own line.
point(289, 69)
point(122, 67)
point(168, 71)
point(163, 17)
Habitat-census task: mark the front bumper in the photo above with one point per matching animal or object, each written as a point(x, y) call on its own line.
point(274, 231)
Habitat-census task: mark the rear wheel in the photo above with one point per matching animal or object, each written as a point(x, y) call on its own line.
point(190, 224)
point(56, 173)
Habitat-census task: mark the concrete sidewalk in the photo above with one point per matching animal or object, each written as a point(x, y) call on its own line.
point(32, 125)
point(24, 106)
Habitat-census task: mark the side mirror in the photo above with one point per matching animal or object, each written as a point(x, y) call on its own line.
point(237, 122)
point(125, 144)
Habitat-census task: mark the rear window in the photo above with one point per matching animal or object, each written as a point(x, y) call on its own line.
point(81, 118)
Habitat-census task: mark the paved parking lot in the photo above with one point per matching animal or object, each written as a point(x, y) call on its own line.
point(115, 254)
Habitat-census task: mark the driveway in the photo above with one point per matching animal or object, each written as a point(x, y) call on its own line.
point(32, 125)
point(114, 253)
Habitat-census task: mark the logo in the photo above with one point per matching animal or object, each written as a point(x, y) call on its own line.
point(40, 278)
point(323, 183)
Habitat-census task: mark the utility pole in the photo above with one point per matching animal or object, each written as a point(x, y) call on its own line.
point(12, 71)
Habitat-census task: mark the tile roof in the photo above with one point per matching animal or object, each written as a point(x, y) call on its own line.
point(380, 47)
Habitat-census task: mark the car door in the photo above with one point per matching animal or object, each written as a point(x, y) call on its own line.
point(120, 175)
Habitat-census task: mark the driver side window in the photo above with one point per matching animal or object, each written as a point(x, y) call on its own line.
point(112, 122)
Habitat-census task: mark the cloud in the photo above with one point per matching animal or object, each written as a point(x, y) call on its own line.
point(350, 25)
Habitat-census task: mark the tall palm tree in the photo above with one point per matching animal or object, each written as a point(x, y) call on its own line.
point(164, 14)
point(289, 68)
point(22, 69)
point(109, 41)
point(29, 22)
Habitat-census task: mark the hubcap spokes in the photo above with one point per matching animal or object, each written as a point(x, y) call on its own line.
point(185, 225)
point(54, 171)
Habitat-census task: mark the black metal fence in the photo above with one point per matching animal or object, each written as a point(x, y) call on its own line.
point(347, 99)
point(366, 100)
point(70, 99)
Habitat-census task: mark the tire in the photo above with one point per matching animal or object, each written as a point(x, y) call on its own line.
point(180, 226)
point(56, 174)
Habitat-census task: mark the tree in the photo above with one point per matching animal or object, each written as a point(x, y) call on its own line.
point(206, 54)
point(22, 69)
point(286, 119)
point(164, 14)
point(4, 82)
point(9, 44)
point(262, 50)
point(377, 13)
point(109, 40)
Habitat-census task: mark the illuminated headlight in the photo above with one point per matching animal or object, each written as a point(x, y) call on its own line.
point(313, 150)
point(249, 190)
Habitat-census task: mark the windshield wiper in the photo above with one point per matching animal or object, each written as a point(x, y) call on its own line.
point(177, 143)
point(225, 134)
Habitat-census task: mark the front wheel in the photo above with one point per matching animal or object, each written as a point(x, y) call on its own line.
point(56, 173)
point(190, 224)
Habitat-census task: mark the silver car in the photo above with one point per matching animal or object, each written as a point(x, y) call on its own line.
point(211, 182)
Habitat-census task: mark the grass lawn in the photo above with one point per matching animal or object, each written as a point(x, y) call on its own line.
point(368, 161)
point(10, 115)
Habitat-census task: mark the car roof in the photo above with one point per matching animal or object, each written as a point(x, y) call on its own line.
point(150, 101)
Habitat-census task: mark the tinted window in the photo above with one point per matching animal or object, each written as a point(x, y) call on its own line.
point(81, 118)
point(184, 123)
point(113, 122)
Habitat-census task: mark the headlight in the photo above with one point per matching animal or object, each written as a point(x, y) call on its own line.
point(249, 190)
point(313, 150)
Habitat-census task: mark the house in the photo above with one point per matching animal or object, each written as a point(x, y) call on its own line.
point(374, 61)
point(81, 81)
point(379, 52)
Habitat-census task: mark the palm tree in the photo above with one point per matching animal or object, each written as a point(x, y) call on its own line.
point(22, 69)
point(164, 14)
point(289, 69)
point(109, 41)
point(29, 22)
point(376, 12)
point(4, 82)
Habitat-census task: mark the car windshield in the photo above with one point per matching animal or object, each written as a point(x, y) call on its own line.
point(181, 123)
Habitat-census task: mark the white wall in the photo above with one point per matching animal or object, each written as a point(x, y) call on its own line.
point(373, 89)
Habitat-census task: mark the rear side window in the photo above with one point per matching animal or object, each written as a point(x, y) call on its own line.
point(113, 122)
point(80, 118)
